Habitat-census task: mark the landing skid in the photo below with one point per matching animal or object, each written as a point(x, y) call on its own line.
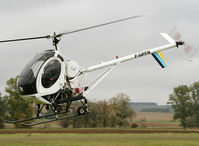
point(57, 110)
point(29, 119)
point(56, 119)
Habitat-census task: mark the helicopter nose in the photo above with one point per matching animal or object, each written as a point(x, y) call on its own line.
point(26, 86)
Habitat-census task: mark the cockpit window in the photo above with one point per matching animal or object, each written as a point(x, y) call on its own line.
point(27, 79)
point(51, 73)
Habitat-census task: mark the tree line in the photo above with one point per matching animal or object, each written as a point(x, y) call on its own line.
point(185, 102)
point(115, 112)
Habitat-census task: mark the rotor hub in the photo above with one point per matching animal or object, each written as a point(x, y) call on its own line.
point(56, 40)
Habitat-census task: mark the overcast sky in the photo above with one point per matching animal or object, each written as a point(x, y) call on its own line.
point(142, 79)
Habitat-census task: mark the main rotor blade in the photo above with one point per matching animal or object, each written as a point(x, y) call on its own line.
point(95, 26)
point(24, 39)
point(74, 31)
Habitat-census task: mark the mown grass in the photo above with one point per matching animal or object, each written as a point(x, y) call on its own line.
point(99, 139)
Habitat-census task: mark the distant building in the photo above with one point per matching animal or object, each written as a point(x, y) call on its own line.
point(150, 107)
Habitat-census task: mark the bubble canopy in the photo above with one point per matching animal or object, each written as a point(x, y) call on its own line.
point(27, 80)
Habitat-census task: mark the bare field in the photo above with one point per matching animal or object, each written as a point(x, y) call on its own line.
point(155, 120)
point(153, 116)
point(158, 125)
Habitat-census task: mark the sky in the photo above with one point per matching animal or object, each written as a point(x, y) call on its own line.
point(142, 79)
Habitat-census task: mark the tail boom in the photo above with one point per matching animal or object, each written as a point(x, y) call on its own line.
point(172, 44)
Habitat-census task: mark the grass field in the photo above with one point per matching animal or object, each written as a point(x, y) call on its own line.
point(154, 129)
point(37, 139)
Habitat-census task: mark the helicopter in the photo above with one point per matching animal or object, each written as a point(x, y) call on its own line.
point(51, 81)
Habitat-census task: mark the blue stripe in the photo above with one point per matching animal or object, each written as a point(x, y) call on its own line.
point(155, 57)
point(160, 58)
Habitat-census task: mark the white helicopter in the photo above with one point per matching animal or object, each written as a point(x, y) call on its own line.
point(51, 81)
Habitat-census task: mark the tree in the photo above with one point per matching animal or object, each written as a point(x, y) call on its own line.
point(122, 109)
point(18, 108)
point(100, 114)
point(181, 102)
point(104, 113)
point(194, 93)
point(2, 111)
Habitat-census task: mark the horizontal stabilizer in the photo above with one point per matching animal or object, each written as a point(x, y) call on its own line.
point(158, 56)
point(168, 38)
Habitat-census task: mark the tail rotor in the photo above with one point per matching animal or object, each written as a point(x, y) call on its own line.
point(187, 51)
